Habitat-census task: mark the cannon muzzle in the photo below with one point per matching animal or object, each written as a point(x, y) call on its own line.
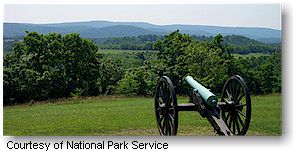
point(207, 96)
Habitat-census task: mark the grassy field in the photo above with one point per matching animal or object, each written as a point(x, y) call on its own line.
point(123, 116)
point(129, 58)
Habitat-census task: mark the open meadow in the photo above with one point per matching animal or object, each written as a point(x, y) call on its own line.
point(124, 116)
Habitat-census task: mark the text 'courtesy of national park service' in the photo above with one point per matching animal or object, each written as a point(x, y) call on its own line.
point(74, 145)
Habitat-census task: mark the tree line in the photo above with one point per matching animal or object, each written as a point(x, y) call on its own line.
point(141, 42)
point(239, 44)
point(53, 66)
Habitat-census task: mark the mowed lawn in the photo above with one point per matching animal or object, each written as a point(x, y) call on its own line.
point(124, 116)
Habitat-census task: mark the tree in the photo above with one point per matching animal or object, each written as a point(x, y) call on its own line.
point(137, 81)
point(210, 63)
point(82, 66)
point(171, 56)
point(50, 66)
point(111, 71)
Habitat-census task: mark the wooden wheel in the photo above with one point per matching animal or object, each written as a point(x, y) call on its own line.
point(237, 113)
point(165, 107)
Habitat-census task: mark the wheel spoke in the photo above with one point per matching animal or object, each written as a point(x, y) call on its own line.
point(228, 94)
point(234, 90)
point(160, 121)
point(161, 102)
point(162, 118)
point(164, 127)
point(237, 92)
point(171, 117)
point(230, 121)
point(164, 92)
point(233, 123)
point(229, 90)
point(240, 112)
point(161, 90)
point(227, 117)
point(241, 96)
point(172, 121)
point(168, 94)
point(237, 126)
point(170, 101)
point(169, 126)
point(240, 105)
point(241, 121)
point(160, 98)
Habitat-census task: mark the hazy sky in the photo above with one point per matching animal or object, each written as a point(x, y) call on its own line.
point(234, 15)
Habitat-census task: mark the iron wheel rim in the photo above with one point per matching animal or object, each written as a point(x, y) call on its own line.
point(165, 107)
point(237, 114)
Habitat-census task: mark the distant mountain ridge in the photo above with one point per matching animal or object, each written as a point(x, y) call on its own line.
point(101, 29)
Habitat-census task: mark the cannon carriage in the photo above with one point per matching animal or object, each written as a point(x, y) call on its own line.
point(229, 116)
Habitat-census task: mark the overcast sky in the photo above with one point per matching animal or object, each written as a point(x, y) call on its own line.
point(234, 15)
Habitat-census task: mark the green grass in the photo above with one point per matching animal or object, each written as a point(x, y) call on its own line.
point(123, 116)
point(128, 58)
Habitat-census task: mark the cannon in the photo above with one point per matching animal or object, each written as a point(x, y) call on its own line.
point(230, 116)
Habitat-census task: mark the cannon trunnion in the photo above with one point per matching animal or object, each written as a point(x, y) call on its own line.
point(229, 116)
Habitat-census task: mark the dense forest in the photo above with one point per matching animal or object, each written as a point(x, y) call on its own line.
point(52, 66)
point(239, 44)
point(141, 42)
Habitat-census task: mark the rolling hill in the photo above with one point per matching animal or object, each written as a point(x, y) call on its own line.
point(101, 29)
